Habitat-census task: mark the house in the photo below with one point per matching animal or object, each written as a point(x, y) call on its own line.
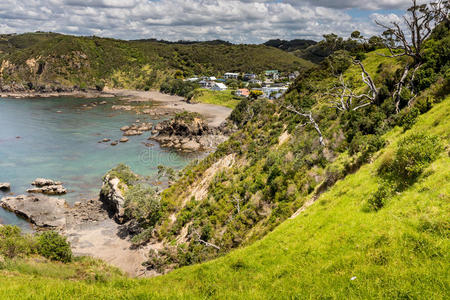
point(242, 93)
point(255, 81)
point(231, 75)
point(249, 76)
point(274, 92)
point(206, 84)
point(294, 75)
point(192, 79)
point(274, 74)
point(218, 87)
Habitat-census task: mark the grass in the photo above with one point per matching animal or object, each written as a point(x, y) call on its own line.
point(223, 98)
point(334, 250)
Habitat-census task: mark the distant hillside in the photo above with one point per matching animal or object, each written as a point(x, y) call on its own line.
point(290, 45)
point(40, 60)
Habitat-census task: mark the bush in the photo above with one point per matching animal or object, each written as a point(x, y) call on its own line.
point(54, 246)
point(408, 118)
point(13, 243)
point(124, 173)
point(143, 205)
point(414, 153)
point(378, 200)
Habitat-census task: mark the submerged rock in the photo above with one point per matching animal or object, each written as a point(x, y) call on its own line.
point(40, 210)
point(5, 186)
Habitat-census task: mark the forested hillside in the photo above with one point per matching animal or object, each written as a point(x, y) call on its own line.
point(40, 60)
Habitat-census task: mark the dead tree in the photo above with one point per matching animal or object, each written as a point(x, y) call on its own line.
point(418, 24)
point(199, 239)
point(344, 98)
point(238, 201)
point(309, 120)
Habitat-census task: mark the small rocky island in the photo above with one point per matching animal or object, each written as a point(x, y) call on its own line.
point(188, 132)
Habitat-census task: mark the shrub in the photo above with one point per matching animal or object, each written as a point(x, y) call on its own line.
point(409, 118)
point(414, 153)
point(143, 205)
point(124, 173)
point(378, 200)
point(54, 246)
point(13, 243)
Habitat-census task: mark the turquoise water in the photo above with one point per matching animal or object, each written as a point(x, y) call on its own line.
point(57, 138)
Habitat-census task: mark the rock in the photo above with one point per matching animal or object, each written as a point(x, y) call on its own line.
point(191, 146)
point(132, 132)
point(154, 131)
point(49, 190)
point(103, 102)
point(106, 140)
point(148, 144)
point(40, 210)
point(5, 186)
point(40, 182)
point(125, 128)
point(111, 195)
point(114, 143)
point(123, 140)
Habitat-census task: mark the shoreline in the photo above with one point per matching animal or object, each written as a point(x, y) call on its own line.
point(215, 115)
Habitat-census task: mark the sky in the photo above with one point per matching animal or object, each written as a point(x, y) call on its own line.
point(237, 21)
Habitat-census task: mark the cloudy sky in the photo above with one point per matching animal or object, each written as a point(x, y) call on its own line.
point(239, 21)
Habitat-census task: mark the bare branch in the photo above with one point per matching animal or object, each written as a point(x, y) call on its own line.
point(345, 99)
point(311, 121)
point(204, 242)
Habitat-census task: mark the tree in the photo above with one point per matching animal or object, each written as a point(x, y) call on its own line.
point(419, 24)
point(344, 98)
point(309, 120)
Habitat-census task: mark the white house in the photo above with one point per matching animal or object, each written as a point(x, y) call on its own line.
point(231, 75)
point(219, 87)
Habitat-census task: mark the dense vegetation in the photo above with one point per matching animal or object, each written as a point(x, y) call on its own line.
point(40, 60)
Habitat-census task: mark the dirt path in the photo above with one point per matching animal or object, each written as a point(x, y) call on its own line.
point(214, 114)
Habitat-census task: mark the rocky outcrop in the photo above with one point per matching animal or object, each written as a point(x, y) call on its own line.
point(112, 196)
point(48, 187)
point(188, 134)
point(5, 186)
point(40, 210)
point(136, 129)
point(40, 182)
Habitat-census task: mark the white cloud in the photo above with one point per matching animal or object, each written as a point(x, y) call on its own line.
point(233, 20)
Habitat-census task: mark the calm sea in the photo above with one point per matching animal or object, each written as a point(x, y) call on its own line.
point(57, 138)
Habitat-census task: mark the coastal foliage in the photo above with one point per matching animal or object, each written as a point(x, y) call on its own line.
point(54, 246)
point(49, 244)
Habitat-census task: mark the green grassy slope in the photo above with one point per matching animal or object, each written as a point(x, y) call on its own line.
point(224, 98)
point(400, 251)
